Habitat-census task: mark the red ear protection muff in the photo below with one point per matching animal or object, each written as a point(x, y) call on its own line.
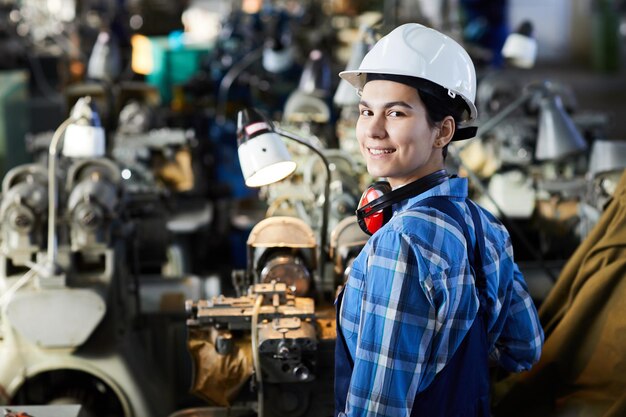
point(371, 220)
point(374, 209)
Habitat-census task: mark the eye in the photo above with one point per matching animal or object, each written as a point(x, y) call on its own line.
point(395, 113)
point(365, 112)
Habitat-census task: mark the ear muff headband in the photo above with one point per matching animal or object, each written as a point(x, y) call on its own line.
point(375, 205)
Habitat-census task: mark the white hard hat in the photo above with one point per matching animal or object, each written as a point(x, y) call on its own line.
point(414, 50)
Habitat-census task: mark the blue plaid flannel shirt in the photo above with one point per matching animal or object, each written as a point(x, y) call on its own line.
point(410, 299)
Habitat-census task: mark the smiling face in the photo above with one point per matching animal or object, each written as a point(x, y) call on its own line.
point(395, 136)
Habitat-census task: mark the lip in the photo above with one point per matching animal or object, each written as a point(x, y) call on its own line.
point(390, 151)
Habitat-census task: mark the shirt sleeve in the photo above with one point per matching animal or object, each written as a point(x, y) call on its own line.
point(520, 341)
point(410, 311)
point(515, 333)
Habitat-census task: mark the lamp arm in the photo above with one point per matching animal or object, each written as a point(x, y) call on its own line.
point(326, 203)
point(52, 192)
point(229, 78)
point(504, 113)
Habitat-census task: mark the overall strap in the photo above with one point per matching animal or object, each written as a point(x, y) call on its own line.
point(340, 337)
point(443, 204)
point(481, 279)
point(462, 387)
point(344, 364)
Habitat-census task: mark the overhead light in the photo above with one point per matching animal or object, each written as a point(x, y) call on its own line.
point(558, 136)
point(277, 58)
point(520, 47)
point(105, 61)
point(264, 160)
point(607, 156)
point(316, 75)
point(142, 61)
point(84, 138)
point(263, 156)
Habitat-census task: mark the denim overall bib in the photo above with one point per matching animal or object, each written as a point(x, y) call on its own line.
point(461, 388)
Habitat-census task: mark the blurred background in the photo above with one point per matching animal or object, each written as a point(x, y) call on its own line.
point(146, 269)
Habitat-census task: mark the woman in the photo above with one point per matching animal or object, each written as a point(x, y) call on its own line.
point(435, 293)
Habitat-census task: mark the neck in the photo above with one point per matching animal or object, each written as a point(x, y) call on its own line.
point(416, 176)
point(422, 184)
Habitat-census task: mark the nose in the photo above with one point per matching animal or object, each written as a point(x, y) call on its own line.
point(376, 127)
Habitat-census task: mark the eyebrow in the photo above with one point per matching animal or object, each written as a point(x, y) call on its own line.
point(389, 104)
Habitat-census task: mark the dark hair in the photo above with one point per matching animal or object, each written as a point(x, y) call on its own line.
point(436, 99)
point(437, 109)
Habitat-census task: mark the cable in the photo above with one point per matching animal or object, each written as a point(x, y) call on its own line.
point(5, 298)
point(256, 360)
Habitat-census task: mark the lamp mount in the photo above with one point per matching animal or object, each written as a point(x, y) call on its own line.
point(264, 160)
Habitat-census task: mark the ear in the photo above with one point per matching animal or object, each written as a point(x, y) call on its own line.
point(446, 131)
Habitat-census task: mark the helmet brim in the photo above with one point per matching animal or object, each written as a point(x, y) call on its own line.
point(358, 78)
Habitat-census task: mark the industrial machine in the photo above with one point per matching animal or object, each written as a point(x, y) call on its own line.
point(346, 241)
point(67, 329)
point(271, 347)
point(69, 297)
point(530, 162)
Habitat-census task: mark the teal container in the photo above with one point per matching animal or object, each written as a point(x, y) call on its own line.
point(174, 63)
point(14, 119)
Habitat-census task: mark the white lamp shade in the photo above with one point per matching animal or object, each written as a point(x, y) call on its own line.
point(83, 141)
point(264, 160)
point(520, 50)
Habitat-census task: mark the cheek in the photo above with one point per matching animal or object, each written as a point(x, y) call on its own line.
point(422, 135)
point(416, 144)
point(360, 133)
point(406, 135)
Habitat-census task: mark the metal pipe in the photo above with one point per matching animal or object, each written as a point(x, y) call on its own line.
point(52, 194)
